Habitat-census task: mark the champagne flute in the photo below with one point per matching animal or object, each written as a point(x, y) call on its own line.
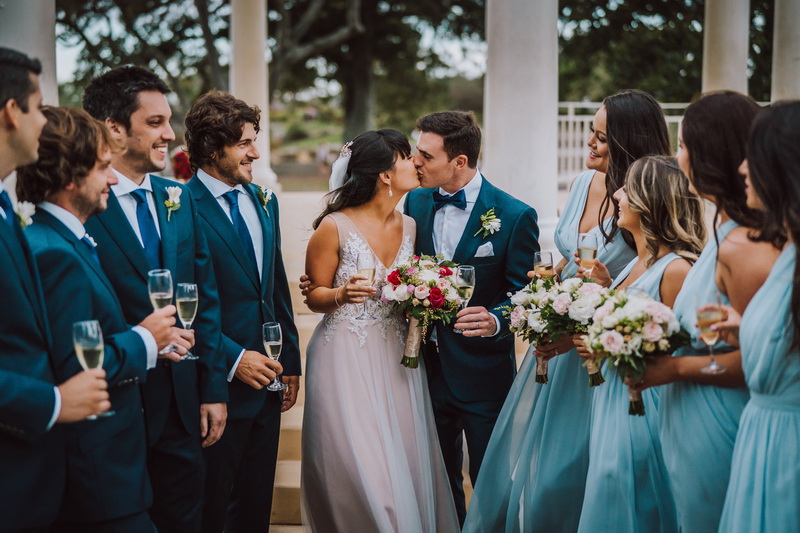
point(271, 335)
point(465, 283)
point(159, 288)
point(186, 298)
point(705, 319)
point(365, 266)
point(87, 339)
point(587, 252)
point(543, 264)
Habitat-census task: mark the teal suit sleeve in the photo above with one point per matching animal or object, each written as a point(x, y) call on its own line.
point(26, 406)
point(282, 301)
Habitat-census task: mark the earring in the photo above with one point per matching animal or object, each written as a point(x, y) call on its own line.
point(390, 191)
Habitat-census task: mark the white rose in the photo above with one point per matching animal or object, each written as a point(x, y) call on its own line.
point(523, 298)
point(401, 293)
point(174, 194)
point(583, 308)
point(570, 284)
point(387, 293)
point(535, 323)
point(428, 275)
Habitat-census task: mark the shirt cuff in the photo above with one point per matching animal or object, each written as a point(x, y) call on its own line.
point(233, 370)
point(496, 329)
point(56, 409)
point(149, 345)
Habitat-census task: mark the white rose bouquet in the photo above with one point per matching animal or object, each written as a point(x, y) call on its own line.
point(425, 288)
point(628, 327)
point(544, 310)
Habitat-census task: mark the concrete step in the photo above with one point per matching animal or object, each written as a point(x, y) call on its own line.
point(286, 496)
point(291, 433)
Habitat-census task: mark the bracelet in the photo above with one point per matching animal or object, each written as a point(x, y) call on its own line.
point(336, 297)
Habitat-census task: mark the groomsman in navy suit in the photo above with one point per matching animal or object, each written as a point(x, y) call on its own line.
point(107, 485)
point(469, 372)
point(32, 458)
point(152, 223)
point(241, 223)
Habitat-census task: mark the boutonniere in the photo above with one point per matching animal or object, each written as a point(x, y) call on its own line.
point(25, 211)
point(264, 196)
point(173, 203)
point(490, 224)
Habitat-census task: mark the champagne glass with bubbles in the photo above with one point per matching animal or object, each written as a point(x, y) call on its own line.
point(186, 300)
point(273, 341)
point(543, 264)
point(465, 284)
point(87, 339)
point(587, 252)
point(159, 288)
point(707, 317)
point(365, 266)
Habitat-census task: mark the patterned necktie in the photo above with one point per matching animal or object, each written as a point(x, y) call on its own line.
point(147, 228)
point(92, 246)
point(458, 199)
point(5, 203)
point(241, 228)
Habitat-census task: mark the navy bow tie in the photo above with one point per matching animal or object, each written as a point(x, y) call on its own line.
point(458, 199)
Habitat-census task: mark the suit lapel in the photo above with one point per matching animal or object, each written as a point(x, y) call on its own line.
point(117, 225)
point(168, 228)
point(469, 243)
point(425, 223)
point(268, 237)
point(210, 210)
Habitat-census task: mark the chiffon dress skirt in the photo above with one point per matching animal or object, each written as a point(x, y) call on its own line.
point(764, 490)
point(627, 488)
point(699, 422)
point(371, 458)
point(534, 472)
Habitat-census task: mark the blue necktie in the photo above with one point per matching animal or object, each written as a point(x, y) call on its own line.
point(89, 242)
point(147, 228)
point(5, 203)
point(458, 199)
point(241, 228)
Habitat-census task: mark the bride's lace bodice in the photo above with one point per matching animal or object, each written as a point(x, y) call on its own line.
point(388, 319)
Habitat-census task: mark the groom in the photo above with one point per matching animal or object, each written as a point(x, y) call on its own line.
point(469, 371)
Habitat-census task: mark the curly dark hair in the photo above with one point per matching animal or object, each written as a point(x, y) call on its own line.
point(216, 120)
point(68, 150)
point(15, 79)
point(460, 132)
point(115, 94)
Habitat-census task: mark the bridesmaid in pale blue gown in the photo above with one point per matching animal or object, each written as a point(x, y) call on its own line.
point(700, 412)
point(534, 471)
point(627, 489)
point(764, 490)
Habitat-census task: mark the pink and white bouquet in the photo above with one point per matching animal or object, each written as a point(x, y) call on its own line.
point(545, 310)
point(628, 327)
point(425, 288)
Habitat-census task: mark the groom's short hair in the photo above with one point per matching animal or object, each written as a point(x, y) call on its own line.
point(15, 77)
point(460, 132)
point(115, 94)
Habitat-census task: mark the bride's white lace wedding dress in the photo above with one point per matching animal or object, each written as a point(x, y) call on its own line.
point(371, 458)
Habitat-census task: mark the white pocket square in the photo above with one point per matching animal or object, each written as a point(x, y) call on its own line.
point(485, 250)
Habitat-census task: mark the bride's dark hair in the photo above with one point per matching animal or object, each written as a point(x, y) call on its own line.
point(371, 153)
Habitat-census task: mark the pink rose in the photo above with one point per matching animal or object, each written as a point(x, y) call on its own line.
point(561, 303)
point(603, 311)
point(517, 317)
point(652, 332)
point(410, 271)
point(659, 312)
point(612, 342)
point(590, 288)
point(421, 292)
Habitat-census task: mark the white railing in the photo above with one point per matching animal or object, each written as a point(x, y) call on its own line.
point(574, 120)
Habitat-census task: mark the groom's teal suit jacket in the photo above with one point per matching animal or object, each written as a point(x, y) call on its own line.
point(32, 459)
point(248, 302)
point(106, 474)
point(185, 253)
point(481, 368)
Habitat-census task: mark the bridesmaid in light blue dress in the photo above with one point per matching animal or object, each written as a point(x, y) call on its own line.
point(764, 490)
point(534, 471)
point(700, 412)
point(627, 488)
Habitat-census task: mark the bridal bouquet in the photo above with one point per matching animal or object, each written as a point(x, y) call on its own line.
point(628, 327)
point(425, 288)
point(545, 310)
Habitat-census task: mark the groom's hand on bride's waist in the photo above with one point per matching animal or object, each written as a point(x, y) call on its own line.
point(476, 322)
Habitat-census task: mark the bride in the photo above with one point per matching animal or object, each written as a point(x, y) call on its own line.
point(371, 459)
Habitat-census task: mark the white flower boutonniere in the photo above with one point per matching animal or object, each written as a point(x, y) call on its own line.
point(173, 203)
point(490, 224)
point(264, 196)
point(25, 211)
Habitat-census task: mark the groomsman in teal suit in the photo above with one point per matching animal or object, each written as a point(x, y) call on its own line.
point(241, 222)
point(152, 223)
point(107, 485)
point(32, 460)
point(468, 220)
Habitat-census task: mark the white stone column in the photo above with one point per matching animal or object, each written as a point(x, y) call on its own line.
point(521, 105)
point(248, 74)
point(786, 51)
point(726, 43)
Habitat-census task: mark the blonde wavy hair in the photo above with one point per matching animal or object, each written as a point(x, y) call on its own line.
point(671, 215)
